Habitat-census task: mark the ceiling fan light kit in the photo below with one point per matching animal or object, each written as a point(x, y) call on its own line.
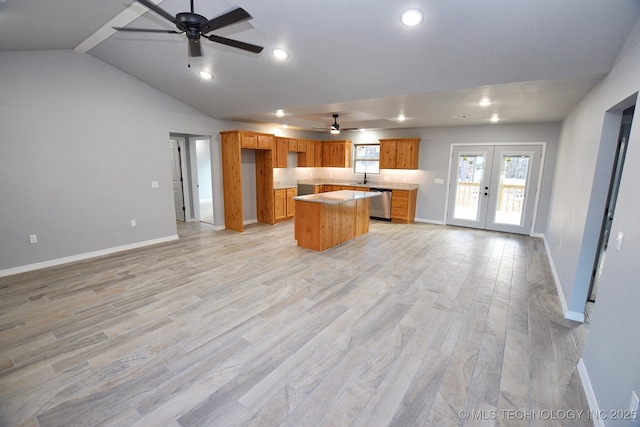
point(195, 26)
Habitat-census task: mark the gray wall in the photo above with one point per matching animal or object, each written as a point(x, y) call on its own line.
point(80, 143)
point(612, 353)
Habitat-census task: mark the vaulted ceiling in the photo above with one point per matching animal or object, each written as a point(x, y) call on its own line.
point(534, 60)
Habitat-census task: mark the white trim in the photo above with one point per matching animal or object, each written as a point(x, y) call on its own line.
point(249, 221)
point(570, 315)
point(430, 221)
point(84, 256)
point(588, 391)
point(123, 19)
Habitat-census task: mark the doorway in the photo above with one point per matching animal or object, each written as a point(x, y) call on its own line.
point(612, 197)
point(494, 187)
point(177, 145)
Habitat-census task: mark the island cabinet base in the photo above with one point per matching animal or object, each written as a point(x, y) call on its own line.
point(320, 226)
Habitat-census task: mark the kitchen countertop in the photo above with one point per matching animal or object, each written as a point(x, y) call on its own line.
point(378, 184)
point(283, 186)
point(336, 197)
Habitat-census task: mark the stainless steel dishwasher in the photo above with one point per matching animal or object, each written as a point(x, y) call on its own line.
point(381, 205)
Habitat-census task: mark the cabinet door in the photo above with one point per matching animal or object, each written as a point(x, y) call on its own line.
point(291, 204)
point(302, 146)
point(281, 153)
point(248, 141)
point(407, 154)
point(292, 144)
point(265, 142)
point(327, 155)
point(280, 204)
point(388, 154)
point(317, 146)
point(306, 158)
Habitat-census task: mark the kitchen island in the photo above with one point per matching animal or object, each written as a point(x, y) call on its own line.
point(328, 219)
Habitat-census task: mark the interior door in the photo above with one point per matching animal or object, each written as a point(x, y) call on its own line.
point(493, 187)
point(178, 194)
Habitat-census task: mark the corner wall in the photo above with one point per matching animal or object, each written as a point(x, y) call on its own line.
point(80, 144)
point(612, 353)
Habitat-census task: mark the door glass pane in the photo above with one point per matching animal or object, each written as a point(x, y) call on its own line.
point(512, 189)
point(470, 172)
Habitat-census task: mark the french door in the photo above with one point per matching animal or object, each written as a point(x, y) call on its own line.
point(494, 187)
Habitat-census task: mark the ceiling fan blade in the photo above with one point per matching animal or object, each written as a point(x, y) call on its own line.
point(229, 18)
point(194, 48)
point(235, 43)
point(157, 9)
point(146, 30)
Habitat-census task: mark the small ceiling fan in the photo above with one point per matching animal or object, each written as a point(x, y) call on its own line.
point(196, 26)
point(335, 127)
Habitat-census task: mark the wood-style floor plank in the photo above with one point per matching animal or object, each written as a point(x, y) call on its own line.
point(407, 325)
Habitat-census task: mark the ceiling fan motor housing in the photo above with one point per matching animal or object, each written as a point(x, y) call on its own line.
point(190, 23)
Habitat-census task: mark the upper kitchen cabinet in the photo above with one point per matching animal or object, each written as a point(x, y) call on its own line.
point(282, 148)
point(336, 154)
point(256, 140)
point(399, 153)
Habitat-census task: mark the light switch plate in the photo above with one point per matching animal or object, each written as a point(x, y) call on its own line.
point(619, 240)
point(633, 405)
point(154, 184)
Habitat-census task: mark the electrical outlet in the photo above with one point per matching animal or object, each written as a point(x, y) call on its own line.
point(133, 222)
point(33, 238)
point(633, 405)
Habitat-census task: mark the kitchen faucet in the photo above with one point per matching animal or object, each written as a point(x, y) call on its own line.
point(365, 177)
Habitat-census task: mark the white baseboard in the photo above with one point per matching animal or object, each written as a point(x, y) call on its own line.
point(82, 257)
point(588, 391)
point(429, 221)
point(570, 315)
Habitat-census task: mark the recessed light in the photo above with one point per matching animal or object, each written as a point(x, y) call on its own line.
point(285, 127)
point(401, 118)
point(484, 102)
point(411, 17)
point(494, 118)
point(280, 54)
point(206, 75)
point(280, 113)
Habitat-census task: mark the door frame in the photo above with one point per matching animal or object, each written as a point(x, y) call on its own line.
point(536, 201)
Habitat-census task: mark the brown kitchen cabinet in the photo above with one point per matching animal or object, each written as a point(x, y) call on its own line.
point(283, 203)
point(291, 204)
point(307, 157)
point(232, 144)
point(336, 154)
point(403, 206)
point(281, 153)
point(401, 153)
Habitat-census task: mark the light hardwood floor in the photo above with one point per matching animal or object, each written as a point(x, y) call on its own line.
point(407, 325)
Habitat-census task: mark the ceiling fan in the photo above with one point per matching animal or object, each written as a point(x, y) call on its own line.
point(335, 127)
point(196, 26)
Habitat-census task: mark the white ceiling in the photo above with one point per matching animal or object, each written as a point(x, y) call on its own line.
point(535, 59)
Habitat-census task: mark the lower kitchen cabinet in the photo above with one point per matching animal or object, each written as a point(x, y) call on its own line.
point(403, 206)
point(291, 204)
point(280, 204)
point(283, 203)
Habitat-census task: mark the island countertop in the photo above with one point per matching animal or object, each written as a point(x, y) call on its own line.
point(337, 197)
